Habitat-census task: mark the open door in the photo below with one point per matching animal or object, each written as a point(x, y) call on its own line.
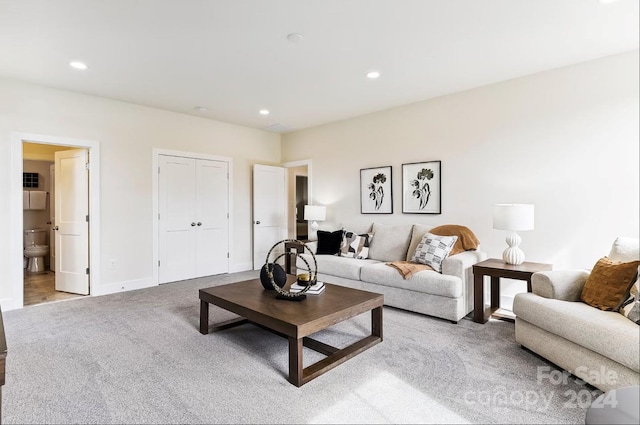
point(269, 210)
point(72, 221)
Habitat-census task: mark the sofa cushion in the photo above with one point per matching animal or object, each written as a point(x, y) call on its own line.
point(433, 249)
point(355, 246)
point(329, 242)
point(606, 332)
point(625, 249)
point(467, 240)
point(417, 232)
point(608, 284)
point(348, 268)
point(390, 243)
point(427, 281)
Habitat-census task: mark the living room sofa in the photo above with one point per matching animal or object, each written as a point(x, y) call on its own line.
point(447, 295)
point(599, 347)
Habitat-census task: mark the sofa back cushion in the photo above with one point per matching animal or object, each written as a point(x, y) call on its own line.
point(417, 232)
point(390, 242)
point(625, 249)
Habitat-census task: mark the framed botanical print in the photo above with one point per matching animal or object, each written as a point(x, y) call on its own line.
point(375, 191)
point(421, 184)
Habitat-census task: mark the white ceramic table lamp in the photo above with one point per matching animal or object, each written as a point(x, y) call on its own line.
point(315, 213)
point(513, 217)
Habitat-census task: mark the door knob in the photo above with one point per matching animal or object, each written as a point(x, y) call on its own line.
point(55, 227)
point(258, 222)
point(193, 223)
point(199, 223)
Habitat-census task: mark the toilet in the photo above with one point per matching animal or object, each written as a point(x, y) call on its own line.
point(35, 248)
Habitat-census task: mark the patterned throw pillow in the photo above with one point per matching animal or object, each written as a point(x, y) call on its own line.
point(355, 246)
point(608, 284)
point(433, 249)
point(631, 308)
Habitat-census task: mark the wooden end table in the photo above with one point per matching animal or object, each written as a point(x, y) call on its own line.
point(496, 269)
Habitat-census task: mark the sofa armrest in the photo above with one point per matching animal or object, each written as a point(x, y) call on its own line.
point(563, 285)
point(461, 264)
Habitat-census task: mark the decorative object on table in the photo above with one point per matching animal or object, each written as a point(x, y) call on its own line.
point(282, 293)
point(272, 273)
point(315, 289)
point(315, 213)
point(513, 217)
point(421, 187)
point(304, 279)
point(376, 191)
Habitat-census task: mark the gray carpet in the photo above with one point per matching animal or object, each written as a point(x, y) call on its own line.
point(137, 357)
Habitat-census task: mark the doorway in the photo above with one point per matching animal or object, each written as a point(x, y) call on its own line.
point(298, 195)
point(28, 150)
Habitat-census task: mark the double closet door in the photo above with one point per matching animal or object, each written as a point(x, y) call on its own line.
point(193, 218)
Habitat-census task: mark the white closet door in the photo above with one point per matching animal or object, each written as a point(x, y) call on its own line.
point(212, 227)
point(177, 221)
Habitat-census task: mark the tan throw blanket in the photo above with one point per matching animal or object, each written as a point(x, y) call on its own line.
point(407, 268)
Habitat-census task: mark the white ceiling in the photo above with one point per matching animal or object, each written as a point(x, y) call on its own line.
point(233, 56)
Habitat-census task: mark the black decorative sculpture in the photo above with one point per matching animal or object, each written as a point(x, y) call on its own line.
point(274, 277)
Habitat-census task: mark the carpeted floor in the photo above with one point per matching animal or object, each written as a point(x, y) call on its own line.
point(137, 357)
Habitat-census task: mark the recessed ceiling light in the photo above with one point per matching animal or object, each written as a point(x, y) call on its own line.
point(78, 65)
point(201, 108)
point(295, 37)
point(264, 112)
point(607, 1)
point(372, 75)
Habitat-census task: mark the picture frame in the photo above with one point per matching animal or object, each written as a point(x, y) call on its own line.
point(376, 190)
point(421, 187)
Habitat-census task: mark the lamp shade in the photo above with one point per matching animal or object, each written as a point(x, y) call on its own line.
point(513, 217)
point(315, 212)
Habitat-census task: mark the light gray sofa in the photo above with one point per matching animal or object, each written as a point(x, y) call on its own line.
point(447, 295)
point(599, 347)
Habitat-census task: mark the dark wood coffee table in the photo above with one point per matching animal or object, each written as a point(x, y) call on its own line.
point(296, 320)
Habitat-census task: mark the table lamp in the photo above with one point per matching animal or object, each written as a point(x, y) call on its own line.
point(315, 213)
point(513, 217)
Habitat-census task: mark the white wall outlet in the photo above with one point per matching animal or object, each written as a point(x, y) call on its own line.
point(112, 264)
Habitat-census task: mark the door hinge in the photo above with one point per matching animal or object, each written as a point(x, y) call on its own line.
point(158, 216)
point(86, 166)
point(158, 170)
point(87, 271)
point(227, 215)
point(227, 255)
point(158, 263)
point(87, 218)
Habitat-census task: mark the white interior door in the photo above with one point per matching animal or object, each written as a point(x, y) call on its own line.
point(269, 210)
point(72, 227)
point(212, 213)
point(177, 220)
point(52, 217)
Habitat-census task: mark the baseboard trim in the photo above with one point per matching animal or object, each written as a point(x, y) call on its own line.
point(241, 267)
point(128, 285)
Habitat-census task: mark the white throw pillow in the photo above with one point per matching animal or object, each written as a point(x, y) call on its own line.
point(433, 249)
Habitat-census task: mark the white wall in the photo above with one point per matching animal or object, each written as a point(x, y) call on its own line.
point(565, 140)
point(127, 134)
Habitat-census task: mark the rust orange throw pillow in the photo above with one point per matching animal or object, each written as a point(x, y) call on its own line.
point(608, 285)
point(467, 240)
